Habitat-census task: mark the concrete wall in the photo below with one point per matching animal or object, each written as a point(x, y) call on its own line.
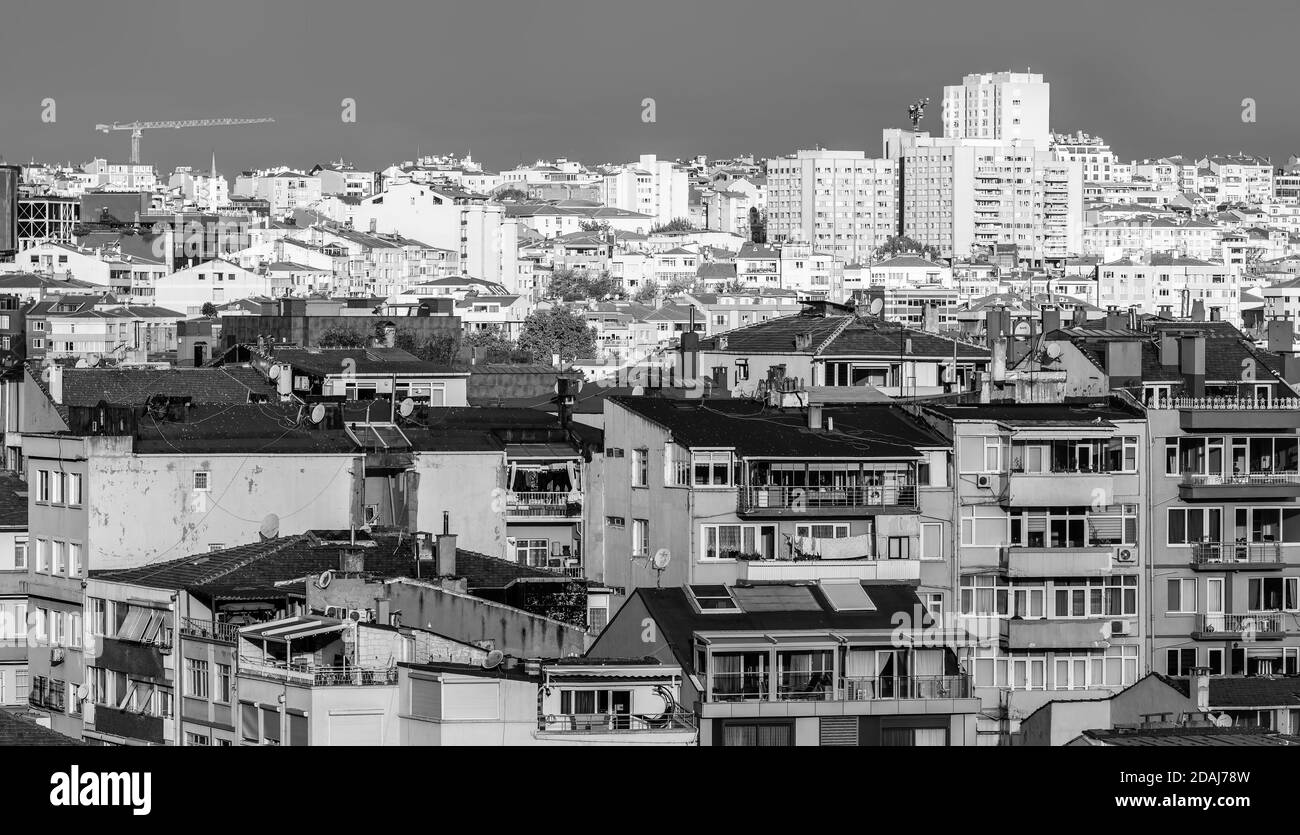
point(463, 483)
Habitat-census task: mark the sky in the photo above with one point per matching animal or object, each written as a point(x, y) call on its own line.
point(515, 81)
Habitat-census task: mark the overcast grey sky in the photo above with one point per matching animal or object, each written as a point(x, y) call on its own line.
point(517, 80)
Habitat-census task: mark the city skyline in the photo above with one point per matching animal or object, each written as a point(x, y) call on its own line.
point(728, 90)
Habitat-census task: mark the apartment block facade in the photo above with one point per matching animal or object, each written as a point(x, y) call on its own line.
point(840, 202)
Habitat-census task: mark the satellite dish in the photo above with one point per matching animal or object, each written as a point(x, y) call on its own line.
point(1221, 720)
point(318, 413)
point(406, 407)
point(877, 305)
point(494, 659)
point(270, 526)
point(273, 372)
point(81, 363)
point(83, 691)
point(93, 359)
point(661, 559)
point(324, 579)
point(1054, 350)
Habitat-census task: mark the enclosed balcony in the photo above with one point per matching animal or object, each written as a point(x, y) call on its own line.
point(810, 489)
point(540, 490)
point(1083, 561)
point(1241, 487)
point(537, 506)
point(1252, 626)
point(867, 568)
point(1220, 556)
point(1080, 633)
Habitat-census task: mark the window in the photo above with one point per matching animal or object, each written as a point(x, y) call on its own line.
point(20, 553)
point(711, 469)
point(223, 683)
point(248, 722)
point(1182, 597)
point(640, 537)
point(984, 595)
point(43, 556)
point(532, 552)
point(640, 467)
point(1214, 658)
point(74, 489)
point(1179, 662)
point(711, 598)
point(729, 542)
point(60, 558)
point(74, 630)
point(824, 530)
point(1271, 594)
point(42, 485)
point(597, 618)
point(615, 521)
point(196, 678)
point(98, 616)
point(931, 541)
point(201, 480)
point(983, 526)
point(758, 735)
point(1189, 525)
point(197, 739)
point(75, 568)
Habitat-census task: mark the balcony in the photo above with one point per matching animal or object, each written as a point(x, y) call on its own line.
point(129, 724)
point(1072, 489)
point(603, 723)
point(1257, 626)
point(1216, 556)
point(826, 501)
point(1059, 562)
point(48, 694)
point(311, 675)
point(225, 633)
point(1239, 487)
point(820, 687)
point(556, 505)
point(1081, 633)
point(906, 687)
point(1210, 414)
point(885, 570)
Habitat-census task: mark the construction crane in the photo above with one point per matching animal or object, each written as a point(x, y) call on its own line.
point(137, 127)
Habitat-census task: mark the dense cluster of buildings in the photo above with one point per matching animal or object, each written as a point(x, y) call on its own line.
point(993, 439)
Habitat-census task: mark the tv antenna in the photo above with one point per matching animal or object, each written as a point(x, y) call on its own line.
point(916, 111)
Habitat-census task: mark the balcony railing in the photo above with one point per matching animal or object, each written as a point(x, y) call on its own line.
point(214, 630)
point(798, 498)
point(1253, 622)
point(812, 686)
point(311, 675)
point(544, 504)
point(615, 722)
point(48, 694)
point(906, 687)
point(1245, 480)
point(1234, 404)
point(1219, 553)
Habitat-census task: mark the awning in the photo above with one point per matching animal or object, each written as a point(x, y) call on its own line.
point(291, 629)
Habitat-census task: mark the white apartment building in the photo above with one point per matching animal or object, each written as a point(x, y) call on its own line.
point(1137, 236)
point(120, 176)
point(840, 202)
point(213, 281)
point(962, 194)
point(1241, 178)
point(998, 106)
point(791, 266)
point(200, 189)
point(1093, 154)
point(464, 222)
point(650, 186)
point(341, 179)
point(727, 208)
point(284, 190)
point(1170, 285)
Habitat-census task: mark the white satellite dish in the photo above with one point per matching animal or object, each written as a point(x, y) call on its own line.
point(324, 580)
point(273, 372)
point(494, 659)
point(406, 407)
point(93, 359)
point(1221, 720)
point(81, 363)
point(661, 559)
point(1054, 350)
point(318, 413)
point(83, 691)
point(877, 305)
point(270, 526)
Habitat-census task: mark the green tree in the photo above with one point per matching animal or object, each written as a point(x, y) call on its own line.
point(572, 286)
point(496, 347)
point(209, 309)
point(341, 337)
point(557, 331)
point(677, 224)
point(902, 244)
point(680, 285)
point(517, 195)
point(757, 225)
point(594, 226)
point(647, 292)
point(443, 350)
point(734, 286)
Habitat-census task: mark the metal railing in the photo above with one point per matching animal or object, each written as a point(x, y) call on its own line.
point(47, 693)
point(544, 504)
point(1244, 479)
point(215, 630)
point(311, 675)
point(1243, 624)
point(1219, 553)
point(792, 498)
point(1229, 403)
point(815, 686)
point(878, 688)
point(615, 722)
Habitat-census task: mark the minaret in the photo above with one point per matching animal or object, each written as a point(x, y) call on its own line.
point(212, 183)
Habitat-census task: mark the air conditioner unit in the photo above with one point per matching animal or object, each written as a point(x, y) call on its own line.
point(56, 655)
point(1121, 627)
point(1125, 556)
point(336, 612)
point(984, 481)
point(361, 615)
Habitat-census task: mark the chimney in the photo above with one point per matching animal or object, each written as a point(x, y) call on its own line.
point(56, 383)
point(1115, 321)
point(352, 560)
point(1168, 350)
point(814, 416)
point(1191, 364)
point(1133, 318)
point(1281, 336)
point(383, 610)
point(1080, 316)
point(446, 548)
point(690, 350)
point(1200, 688)
point(1198, 311)
point(423, 545)
point(390, 336)
point(1291, 368)
point(1051, 319)
point(565, 399)
point(998, 359)
point(931, 318)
